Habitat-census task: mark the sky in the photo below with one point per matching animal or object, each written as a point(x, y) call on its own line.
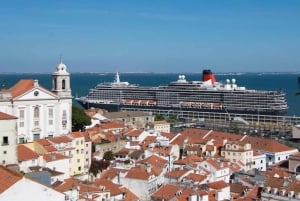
point(150, 35)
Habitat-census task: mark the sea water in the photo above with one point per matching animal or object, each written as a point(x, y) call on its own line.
point(82, 82)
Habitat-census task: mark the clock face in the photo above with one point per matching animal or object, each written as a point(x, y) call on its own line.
point(36, 93)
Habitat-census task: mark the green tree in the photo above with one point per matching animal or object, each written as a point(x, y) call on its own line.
point(172, 118)
point(79, 119)
point(108, 156)
point(159, 117)
point(98, 166)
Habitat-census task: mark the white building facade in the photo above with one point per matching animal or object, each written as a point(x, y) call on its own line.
point(41, 113)
point(8, 135)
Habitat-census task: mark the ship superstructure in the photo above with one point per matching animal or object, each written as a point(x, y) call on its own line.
point(206, 95)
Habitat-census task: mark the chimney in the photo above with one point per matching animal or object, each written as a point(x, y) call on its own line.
point(36, 83)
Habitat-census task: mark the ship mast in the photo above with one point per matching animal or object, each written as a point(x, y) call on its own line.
point(117, 78)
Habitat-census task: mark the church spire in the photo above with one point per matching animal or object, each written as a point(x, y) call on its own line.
point(60, 59)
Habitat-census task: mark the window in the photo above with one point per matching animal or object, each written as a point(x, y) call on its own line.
point(79, 168)
point(36, 112)
point(36, 136)
point(64, 119)
point(77, 151)
point(36, 123)
point(78, 160)
point(64, 114)
point(5, 140)
point(50, 122)
point(4, 152)
point(55, 83)
point(63, 84)
point(21, 140)
point(21, 114)
point(21, 124)
point(50, 112)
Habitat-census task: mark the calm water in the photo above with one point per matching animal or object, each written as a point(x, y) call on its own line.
point(82, 82)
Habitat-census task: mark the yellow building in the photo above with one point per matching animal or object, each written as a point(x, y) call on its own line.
point(77, 160)
point(161, 126)
point(238, 152)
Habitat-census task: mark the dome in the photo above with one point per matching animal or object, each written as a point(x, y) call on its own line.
point(61, 67)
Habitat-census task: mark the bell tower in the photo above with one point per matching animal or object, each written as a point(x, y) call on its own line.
point(61, 81)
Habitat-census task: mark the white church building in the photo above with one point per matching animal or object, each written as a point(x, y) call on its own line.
point(41, 112)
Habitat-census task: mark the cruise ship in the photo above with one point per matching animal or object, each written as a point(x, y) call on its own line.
point(206, 95)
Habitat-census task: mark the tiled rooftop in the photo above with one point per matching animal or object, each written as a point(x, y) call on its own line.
point(8, 178)
point(24, 153)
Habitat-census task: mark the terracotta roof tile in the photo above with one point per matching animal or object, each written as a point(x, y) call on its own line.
point(73, 183)
point(165, 192)
point(196, 177)
point(178, 140)
point(77, 134)
point(138, 173)
point(213, 163)
point(112, 125)
point(60, 139)
point(87, 137)
point(109, 185)
point(8, 178)
point(110, 136)
point(170, 136)
point(43, 142)
point(4, 116)
point(176, 173)
point(162, 150)
point(25, 153)
point(54, 157)
point(265, 144)
point(21, 87)
point(129, 196)
point(192, 158)
point(217, 185)
point(110, 173)
point(134, 133)
point(185, 194)
point(294, 186)
point(50, 148)
point(154, 160)
point(237, 188)
point(148, 140)
point(274, 182)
